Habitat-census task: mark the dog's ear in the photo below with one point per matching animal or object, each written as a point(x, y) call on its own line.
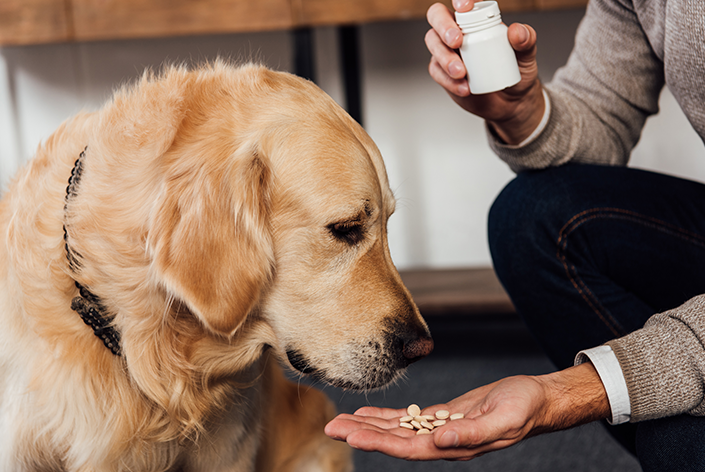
point(212, 242)
point(142, 119)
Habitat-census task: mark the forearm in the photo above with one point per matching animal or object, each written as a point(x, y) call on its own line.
point(664, 363)
point(599, 100)
point(574, 396)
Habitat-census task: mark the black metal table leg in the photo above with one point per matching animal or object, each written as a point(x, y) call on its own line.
point(304, 63)
point(348, 38)
point(351, 70)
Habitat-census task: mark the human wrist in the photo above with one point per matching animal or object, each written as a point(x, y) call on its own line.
point(524, 120)
point(574, 396)
point(608, 368)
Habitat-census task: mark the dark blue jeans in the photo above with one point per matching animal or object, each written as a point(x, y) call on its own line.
point(587, 254)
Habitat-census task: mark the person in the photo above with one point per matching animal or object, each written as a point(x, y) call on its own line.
point(601, 260)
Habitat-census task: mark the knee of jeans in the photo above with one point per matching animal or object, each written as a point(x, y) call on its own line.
point(519, 220)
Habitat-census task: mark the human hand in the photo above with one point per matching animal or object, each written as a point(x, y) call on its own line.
point(513, 112)
point(496, 416)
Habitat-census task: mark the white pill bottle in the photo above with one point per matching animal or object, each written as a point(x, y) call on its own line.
point(489, 58)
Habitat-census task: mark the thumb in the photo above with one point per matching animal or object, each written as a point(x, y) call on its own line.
point(523, 39)
point(470, 433)
point(447, 439)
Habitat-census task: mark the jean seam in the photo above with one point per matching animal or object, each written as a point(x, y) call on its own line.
point(612, 213)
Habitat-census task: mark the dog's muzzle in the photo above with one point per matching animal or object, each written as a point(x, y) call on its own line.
point(371, 363)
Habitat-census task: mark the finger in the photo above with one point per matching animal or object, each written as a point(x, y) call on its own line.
point(463, 5)
point(409, 447)
point(343, 425)
point(386, 413)
point(447, 58)
point(390, 444)
point(457, 87)
point(442, 21)
point(376, 421)
point(340, 426)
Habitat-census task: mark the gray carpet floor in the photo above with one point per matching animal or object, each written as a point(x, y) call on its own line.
point(472, 351)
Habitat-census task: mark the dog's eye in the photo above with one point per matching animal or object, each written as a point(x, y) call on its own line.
point(350, 232)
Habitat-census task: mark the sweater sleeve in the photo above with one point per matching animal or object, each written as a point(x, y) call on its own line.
point(664, 363)
point(601, 98)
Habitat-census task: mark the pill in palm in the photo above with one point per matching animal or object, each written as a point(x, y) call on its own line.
point(442, 414)
point(424, 424)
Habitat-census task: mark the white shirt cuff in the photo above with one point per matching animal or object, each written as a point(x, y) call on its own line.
point(610, 372)
point(541, 126)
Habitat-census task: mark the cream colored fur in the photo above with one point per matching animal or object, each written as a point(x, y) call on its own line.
point(231, 218)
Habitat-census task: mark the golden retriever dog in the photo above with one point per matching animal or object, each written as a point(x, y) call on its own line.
point(163, 257)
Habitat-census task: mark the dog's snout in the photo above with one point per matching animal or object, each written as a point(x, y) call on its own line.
point(410, 339)
point(417, 348)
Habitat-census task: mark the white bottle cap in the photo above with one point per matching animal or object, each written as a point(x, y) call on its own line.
point(482, 12)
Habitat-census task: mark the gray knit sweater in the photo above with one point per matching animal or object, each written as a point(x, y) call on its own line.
point(625, 52)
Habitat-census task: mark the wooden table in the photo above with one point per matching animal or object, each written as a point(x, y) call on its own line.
point(27, 22)
point(24, 22)
point(475, 291)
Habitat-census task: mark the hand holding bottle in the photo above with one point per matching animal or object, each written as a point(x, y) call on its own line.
point(514, 112)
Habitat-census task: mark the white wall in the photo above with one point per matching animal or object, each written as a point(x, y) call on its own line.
point(439, 164)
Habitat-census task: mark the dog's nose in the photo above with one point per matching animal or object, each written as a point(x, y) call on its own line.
point(417, 348)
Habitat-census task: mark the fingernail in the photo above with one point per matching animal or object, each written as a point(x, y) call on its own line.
point(448, 439)
point(453, 37)
point(461, 5)
point(463, 89)
point(524, 34)
point(455, 69)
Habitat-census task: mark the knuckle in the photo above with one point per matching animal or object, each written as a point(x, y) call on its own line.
point(471, 438)
point(436, 72)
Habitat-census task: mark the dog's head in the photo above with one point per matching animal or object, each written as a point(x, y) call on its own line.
point(337, 303)
point(270, 204)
